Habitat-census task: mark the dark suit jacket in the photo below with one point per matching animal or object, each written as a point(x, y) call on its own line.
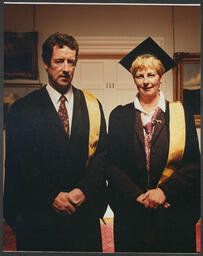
point(41, 162)
point(128, 177)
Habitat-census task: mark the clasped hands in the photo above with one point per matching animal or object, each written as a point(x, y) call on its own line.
point(153, 198)
point(68, 201)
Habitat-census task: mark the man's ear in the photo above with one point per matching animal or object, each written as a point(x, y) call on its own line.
point(45, 66)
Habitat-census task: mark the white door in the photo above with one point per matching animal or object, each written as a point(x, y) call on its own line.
point(111, 84)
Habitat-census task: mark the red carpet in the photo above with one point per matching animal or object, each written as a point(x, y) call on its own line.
point(9, 240)
point(107, 236)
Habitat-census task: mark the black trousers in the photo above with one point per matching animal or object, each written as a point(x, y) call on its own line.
point(59, 232)
point(144, 230)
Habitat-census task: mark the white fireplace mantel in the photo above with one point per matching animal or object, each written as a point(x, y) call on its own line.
point(111, 45)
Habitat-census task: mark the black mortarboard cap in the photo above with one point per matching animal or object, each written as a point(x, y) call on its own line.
point(148, 46)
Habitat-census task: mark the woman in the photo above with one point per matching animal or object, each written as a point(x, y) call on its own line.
point(154, 177)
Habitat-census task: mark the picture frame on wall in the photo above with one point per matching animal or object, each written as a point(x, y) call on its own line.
point(15, 91)
point(187, 82)
point(20, 55)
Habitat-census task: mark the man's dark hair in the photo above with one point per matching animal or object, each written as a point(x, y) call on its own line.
point(60, 40)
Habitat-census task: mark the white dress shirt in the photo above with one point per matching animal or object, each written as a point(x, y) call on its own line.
point(55, 98)
point(146, 117)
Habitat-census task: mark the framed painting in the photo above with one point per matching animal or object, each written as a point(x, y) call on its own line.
point(15, 91)
point(187, 82)
point(20, 55)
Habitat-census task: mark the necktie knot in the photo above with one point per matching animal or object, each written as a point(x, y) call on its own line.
point(63, 99)
point(148, 127)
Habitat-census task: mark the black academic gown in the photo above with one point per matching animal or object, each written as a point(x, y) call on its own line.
point(40, 163)
point(136, 228)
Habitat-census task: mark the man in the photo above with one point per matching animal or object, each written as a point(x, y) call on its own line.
point(55, 186)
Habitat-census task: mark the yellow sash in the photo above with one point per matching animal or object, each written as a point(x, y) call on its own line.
point(177, 139)
point(94, 123)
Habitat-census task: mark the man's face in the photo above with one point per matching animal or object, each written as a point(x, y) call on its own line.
point(61, 68)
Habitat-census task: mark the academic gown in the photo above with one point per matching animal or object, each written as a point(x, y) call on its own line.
point(40, 163)
point(151, 230)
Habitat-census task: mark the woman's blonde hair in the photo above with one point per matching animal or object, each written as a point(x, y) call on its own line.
point(143, 61)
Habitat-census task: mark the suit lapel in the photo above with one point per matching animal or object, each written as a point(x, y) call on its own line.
point(161, 122)
point(139, 127)
point(128, 121)
point(79, 113)
point(80, 123)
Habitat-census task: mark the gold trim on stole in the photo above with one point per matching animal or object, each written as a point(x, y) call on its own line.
point(177, 135)
point(94, 123)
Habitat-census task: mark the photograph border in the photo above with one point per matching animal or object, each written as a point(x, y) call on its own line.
point(190, 2)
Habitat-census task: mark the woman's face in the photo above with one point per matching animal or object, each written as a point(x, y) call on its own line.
point(148, 82)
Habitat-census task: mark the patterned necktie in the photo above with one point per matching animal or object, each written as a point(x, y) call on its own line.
point(64, 114)
point(148, 136)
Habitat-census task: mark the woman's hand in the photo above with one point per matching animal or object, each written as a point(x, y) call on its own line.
point(142, 198)
point(153, 198)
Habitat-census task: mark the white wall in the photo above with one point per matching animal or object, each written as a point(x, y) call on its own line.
point(110, 21)
point(187, 29)
point(18, 18)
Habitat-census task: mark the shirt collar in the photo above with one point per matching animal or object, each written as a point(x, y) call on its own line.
point(55, 95)
point(161, 104)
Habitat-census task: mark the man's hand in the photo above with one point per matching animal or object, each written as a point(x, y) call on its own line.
point(76, 197)
point(63, 203)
